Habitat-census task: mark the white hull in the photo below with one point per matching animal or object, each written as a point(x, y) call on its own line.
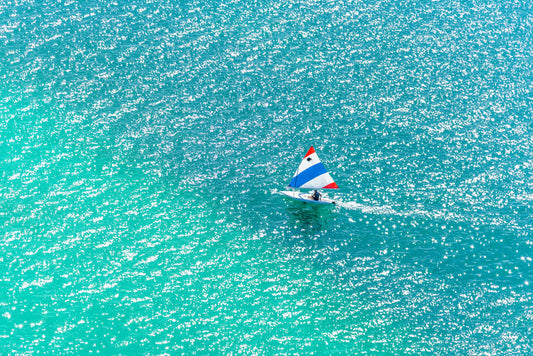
point(306, 198)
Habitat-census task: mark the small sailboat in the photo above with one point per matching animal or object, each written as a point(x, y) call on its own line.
point(311, 174)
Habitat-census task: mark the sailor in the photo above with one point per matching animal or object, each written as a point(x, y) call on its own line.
point(315, 195)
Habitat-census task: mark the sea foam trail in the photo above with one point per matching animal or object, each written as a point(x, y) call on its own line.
point(382, 210)
point(386, 210)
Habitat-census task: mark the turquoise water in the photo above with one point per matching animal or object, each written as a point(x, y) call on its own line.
point(144, 144)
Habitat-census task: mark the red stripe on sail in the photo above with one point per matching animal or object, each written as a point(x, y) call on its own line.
point(331, 186)
point(310, 152)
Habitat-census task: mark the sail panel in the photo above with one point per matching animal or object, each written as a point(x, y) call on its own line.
point(331, 185)
point(312, 174)
point(320, 182)
point(310, 151)
point(307, 162)
point(307, 175)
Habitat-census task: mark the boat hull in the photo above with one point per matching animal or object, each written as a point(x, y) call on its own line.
point(306, 198)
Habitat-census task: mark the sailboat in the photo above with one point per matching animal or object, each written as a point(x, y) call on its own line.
point(311, 174)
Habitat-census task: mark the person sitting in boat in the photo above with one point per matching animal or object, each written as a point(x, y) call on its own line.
point(315, 195)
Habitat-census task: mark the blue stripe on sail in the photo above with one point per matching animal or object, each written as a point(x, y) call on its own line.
point(307, 175)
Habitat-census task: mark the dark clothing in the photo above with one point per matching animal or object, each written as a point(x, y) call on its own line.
point(316, 195)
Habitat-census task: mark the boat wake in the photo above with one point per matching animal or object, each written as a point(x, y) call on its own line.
point(381, 210)
point(416, 213)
